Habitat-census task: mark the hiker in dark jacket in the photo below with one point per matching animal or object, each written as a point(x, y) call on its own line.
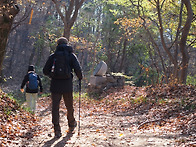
point(63, 87)
point(31, 94)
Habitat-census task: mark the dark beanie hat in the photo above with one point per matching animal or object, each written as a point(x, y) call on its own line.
point(31, 68)
point(62, 40)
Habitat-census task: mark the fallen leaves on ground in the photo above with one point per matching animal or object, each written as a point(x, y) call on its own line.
point(115, 116)
point(164, 108)
point(15, 122)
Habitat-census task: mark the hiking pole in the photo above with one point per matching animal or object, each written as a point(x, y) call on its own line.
point(79, 107)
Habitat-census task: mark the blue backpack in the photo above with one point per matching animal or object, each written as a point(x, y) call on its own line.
point(33, 82)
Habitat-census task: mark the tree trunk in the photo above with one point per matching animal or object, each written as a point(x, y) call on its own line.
point(123, 55)
point(67, 32)
point(70, 16)
point(176, 69)
point(165, 47)
point(183, 49)
point(8, 10)
point(109, 54)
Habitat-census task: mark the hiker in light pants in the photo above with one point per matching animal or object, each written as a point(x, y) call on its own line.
point(32, 82)
point(31, 99)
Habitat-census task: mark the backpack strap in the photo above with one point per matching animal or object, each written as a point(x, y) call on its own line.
point(66, 52)
point(68, 60)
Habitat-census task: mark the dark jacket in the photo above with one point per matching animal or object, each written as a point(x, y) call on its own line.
point(63, 85)
point(25, 81)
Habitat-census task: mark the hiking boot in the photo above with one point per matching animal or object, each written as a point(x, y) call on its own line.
point(57, 131)
point(58, 134)
point(72, 127)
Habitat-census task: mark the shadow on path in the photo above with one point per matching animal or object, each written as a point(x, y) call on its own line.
point(60, 143)
point(50, 142)
point(46, 111)
point(63, 142)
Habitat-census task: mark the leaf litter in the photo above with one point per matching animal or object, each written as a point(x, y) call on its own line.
point(131, 116)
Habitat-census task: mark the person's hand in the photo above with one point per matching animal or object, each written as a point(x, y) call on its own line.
point(22, 90)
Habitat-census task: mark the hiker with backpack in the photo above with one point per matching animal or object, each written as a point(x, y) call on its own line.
point(59, 68)
point(32, 82)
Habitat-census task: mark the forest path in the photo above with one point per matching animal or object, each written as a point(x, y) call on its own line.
point(98, 128)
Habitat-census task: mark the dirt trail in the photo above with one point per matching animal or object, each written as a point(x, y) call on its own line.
point(97, 129)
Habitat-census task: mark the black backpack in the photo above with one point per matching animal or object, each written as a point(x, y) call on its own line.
point(61, 66)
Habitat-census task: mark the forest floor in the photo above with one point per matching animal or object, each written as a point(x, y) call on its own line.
point(150, 116)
